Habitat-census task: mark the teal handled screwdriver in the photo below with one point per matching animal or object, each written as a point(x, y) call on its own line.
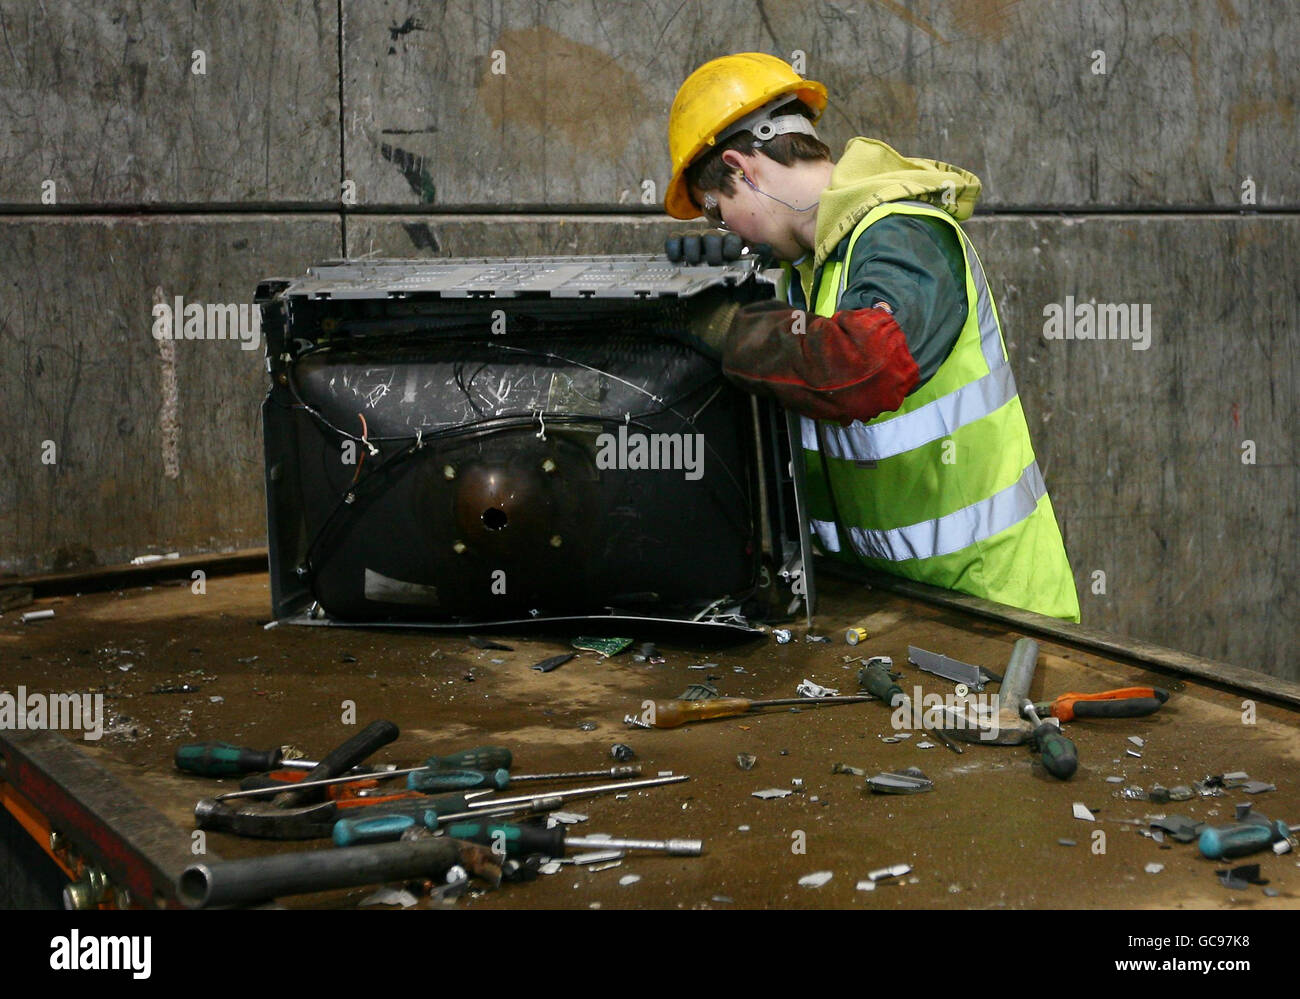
point(514, 840)
point(432, 779)
point(1060, 758)
point(1243, 838)
point(390, 826)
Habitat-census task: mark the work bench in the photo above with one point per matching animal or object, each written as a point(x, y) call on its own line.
point(995, 832)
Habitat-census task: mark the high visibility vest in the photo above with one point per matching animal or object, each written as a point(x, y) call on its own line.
point(944, 490)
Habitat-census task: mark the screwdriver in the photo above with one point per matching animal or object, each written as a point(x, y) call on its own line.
point(877, 680)
point(1243, 838)
point(488, 753)
point(515, 840)
point(463, 780)
point(670, 714)
point(390, 826)
point(221, 759)
point(1059, 755)
point(1126, 702)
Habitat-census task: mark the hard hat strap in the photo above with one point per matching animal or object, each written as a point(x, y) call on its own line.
point(765, 125)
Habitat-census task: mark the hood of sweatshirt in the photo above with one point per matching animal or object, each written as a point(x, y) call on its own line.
point(871, 173)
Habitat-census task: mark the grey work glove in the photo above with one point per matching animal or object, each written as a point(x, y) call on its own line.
point(713, 248)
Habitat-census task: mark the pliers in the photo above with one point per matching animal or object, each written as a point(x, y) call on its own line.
point(1126, 702)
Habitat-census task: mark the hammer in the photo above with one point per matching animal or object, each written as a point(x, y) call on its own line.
point(1006, 727)
point(292, 814)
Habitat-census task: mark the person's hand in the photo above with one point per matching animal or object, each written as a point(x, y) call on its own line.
point(713, 248)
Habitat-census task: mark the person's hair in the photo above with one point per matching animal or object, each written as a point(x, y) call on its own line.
point(710, 173)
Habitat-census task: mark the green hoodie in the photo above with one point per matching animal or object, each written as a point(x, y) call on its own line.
point(871, 173)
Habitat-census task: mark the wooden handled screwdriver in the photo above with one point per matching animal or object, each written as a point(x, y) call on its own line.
point(670, 714)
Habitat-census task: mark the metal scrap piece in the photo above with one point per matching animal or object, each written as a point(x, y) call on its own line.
point(809, 689)
point(1081, 812)
point(699, 691)
point(910, 781)
point(816, 879)
point(1257, 787)
point(1154, 868)
point(773, 792)
point(487, 643)
point(949, 669)
point(1137, 740)
point(746, 761)
point(844, 768)
point(597, 856)
point(1179, 827)
point(595, 869)
point(892, 871)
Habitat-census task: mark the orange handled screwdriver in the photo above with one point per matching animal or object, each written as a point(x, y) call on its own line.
point(670, 714)
point(1127, 702)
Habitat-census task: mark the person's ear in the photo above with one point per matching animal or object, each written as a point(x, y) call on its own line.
point(734, 160)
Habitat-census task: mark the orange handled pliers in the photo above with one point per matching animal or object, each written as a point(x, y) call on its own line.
point(1127, 702)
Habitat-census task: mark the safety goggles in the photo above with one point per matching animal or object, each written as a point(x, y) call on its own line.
point(713, 212)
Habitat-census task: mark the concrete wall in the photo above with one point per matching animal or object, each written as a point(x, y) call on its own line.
point(1131, 154)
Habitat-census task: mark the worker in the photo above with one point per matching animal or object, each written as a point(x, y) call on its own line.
point(884, 338)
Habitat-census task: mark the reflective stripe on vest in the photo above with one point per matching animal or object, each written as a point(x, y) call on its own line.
point(958, 529)
point(828, 534)
point(940, 418)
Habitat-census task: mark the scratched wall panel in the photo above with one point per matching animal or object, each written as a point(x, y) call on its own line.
point(79, 368)
point(1196, 98)
point(1142, 449)
point(101, 99)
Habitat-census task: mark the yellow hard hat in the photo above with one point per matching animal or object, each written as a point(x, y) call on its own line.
point(717, 95)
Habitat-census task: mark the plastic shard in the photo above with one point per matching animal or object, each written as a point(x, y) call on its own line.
point(554, 662)
point(1081, 812)
point(910, 781)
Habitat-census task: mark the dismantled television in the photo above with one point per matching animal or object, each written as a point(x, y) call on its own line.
point(459, 442)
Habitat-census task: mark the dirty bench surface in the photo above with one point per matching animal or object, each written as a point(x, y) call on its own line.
point(986, 837)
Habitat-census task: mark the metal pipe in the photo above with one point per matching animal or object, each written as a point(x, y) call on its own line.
point(239, 882)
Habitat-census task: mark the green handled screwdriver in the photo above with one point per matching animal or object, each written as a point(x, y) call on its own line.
point(1243, 838)
point(483, 758)
point(875, 678)
point(221, 759)
point(1060, 758)
point(514, 840)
